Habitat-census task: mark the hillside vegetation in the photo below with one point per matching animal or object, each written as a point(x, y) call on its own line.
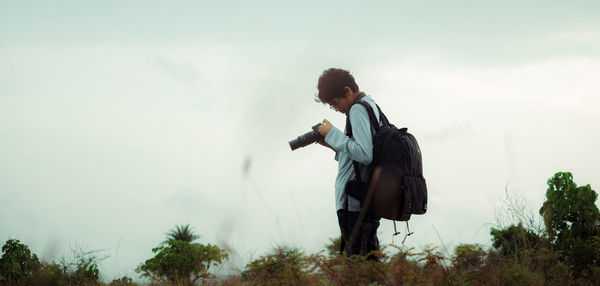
point(565, 251)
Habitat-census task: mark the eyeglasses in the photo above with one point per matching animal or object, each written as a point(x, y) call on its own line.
point(334, 103)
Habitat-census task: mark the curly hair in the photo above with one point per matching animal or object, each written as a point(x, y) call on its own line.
point(331, 84)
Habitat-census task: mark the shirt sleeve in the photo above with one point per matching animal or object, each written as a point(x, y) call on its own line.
point(360, 147)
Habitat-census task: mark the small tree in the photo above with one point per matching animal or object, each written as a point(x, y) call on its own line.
point(17, 264)
point(513, 239)
point(86, 271)
point(181, 261)
point(571, 218)
point(468, 257)
point(82, 267)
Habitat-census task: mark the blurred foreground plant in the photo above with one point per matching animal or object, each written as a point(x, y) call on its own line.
point(285, 266)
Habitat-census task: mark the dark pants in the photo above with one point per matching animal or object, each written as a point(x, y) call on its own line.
point(366, 238)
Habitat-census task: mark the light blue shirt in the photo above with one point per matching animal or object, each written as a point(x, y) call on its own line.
point(359, 148)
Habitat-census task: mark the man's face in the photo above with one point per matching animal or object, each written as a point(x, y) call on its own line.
point(342, 104)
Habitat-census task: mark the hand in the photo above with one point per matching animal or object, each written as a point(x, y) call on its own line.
point(325, 127)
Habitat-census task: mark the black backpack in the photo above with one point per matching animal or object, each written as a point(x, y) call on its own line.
point(396, 189)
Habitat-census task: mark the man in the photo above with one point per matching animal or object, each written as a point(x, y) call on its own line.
point(338, 89)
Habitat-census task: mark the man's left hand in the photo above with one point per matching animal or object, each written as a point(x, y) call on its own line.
point(325, 127)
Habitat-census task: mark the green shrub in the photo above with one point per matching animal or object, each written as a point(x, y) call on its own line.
point(403, 270)
point(285, 266)
point(50, 274)
point(514, 239)
point(82, 267)
point(468, 258)
point(17, 264)
point(181, 262)
point(343, 270)
point(124, 281)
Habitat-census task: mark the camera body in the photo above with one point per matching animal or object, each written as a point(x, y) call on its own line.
point(307, 138)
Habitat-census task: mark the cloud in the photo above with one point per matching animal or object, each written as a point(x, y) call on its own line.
point(574, 37)
point(182, 71)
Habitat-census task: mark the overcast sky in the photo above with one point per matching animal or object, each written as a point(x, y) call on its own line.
point(122, 119)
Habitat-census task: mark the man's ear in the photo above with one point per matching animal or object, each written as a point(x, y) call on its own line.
point(347, 90)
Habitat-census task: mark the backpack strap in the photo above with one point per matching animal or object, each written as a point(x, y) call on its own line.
point(374, 126)
point(372, 118)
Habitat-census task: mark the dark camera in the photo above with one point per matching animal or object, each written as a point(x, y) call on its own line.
point(307, 138)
